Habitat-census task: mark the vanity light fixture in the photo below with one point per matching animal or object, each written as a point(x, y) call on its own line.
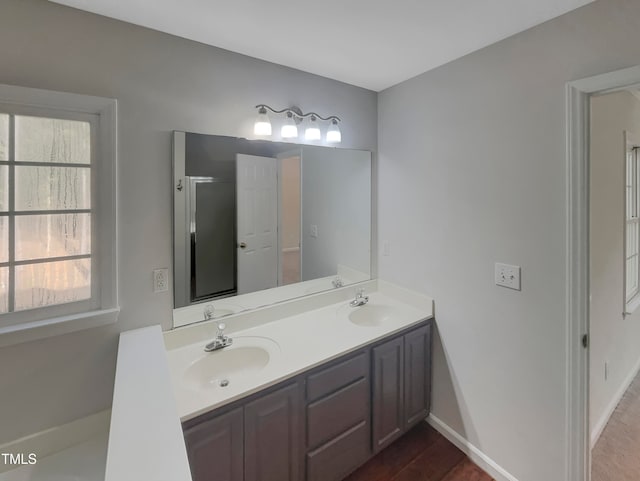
point(312, 132)
point(262, 126)
point(333, 132)
point(295, 116)
point(289, 129)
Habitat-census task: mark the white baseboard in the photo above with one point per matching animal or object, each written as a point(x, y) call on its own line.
point(597, 428)
point(59, 438)
point(492, 468)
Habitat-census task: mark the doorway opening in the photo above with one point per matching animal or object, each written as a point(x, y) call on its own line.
point(603, 244)
point(614, 285)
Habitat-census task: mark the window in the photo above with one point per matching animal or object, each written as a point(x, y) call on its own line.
point(632, 229)
point(57, 212)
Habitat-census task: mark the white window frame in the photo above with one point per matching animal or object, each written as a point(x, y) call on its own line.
point(631, 295)
point(103, 307)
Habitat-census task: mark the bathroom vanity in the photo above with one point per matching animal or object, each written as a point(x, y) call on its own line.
point(315, 381)
point(326, 420)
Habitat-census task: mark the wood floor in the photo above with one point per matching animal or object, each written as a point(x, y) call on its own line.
point(616, 455)
point(422, 454)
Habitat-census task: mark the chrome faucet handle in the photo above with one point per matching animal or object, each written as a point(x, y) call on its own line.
point(221, 327)
point(360, 292)
point(208, 312)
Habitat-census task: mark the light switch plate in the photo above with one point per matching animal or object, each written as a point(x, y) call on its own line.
point(508, 276)
point(314, 231)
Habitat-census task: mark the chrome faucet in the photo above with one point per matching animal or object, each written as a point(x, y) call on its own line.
point(337, 282)
point(220, 340)
point(360, 299)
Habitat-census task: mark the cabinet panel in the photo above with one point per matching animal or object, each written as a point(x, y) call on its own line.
point(388, 412)
point(334, 460)
point(215, 448)
point(273, 437)
point(330, 416)
point(417, 375)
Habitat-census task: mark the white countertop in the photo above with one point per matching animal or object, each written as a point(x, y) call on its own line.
point(145, 437)
point(300, 342)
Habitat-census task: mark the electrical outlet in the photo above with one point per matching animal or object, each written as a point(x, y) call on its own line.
point(314, 231)
point(507, 276)
point(160, 280)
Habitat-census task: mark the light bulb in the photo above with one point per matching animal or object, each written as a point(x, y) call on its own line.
point(333, 133)
point(313, 131)
point(262, 126)
point(289, 129)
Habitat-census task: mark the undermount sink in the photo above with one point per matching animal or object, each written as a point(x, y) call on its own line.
point(371, 315)
point(218, 369)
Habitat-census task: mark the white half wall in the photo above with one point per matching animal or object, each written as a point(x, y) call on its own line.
point(472, 172)
point(614, 340)
point(162, 83)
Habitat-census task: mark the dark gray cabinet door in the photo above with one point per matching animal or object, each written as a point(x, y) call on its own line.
point(273, 436)
point(388, 412)
point(215, 448)
point(417, 375)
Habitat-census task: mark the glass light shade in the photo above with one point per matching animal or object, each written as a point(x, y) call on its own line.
point(262, 125)
point(289, 129)
point(313, 131)
point(333, 133)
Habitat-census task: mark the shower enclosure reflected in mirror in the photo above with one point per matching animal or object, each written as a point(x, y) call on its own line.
point(253, 215)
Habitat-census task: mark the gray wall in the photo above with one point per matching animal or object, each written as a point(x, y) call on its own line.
point(336, 193)
point(472, 171)
point(162, 83)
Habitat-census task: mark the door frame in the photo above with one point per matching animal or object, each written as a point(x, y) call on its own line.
point(578, 95)
point(297, 152)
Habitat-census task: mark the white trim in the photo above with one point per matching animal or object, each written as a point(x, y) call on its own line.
point(180, 223)
point(632, 305)
point(31, 331)
point(474, 453)
point(577, 289)
point(59, 438)
point(599, 426)
point(578, 93)
point(106, 254)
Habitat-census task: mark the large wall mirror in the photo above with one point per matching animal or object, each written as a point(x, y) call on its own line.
point(257, 222)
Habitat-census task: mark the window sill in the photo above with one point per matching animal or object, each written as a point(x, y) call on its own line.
point(31, 331)
point(632, 305)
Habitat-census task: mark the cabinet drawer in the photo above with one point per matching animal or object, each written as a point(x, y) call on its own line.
point(334, 460)
point(334, 414)
point(335, 377)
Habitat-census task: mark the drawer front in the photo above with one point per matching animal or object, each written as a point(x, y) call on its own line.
point(334, 460)
point(334, 414)
point(335, 377)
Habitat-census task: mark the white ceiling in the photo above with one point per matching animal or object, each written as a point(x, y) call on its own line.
point(370, 43)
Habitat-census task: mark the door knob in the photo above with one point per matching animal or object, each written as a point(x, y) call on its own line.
point(242, 245)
